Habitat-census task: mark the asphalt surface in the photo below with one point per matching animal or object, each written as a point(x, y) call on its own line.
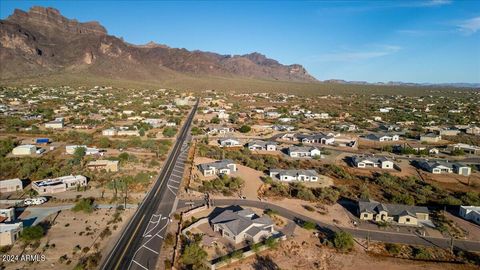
point(374, 235)
point(140, 242)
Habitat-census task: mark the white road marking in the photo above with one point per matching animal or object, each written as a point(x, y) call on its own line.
point(138, 265)
point(150, 249)
point(175, 181)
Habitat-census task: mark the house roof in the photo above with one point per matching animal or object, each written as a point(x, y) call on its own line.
point(301, 148)
point(392, 209)
point(358, 159)
point(219, 164)
point(239, 221)
point(294, 173)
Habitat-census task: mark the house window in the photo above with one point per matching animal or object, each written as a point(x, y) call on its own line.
point(365, 215)
point(407, 219)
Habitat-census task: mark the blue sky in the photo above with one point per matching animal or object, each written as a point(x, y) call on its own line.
point(413, 41)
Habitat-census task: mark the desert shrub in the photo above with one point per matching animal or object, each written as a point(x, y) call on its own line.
point(84, 205)
point(421, 253)
point(33, 233)
point(343, 241)
point(392, 248)
point(308, 225)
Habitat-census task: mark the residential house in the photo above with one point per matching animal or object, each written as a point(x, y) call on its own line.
point(430, 138)
point(154, 122)
point(316, 138)
point(372, 162)
point(401, 214)
point(294, 175)
point(10, 232)
point(229, 142)
point(242, 225)
point(383, 137)
point(11, 185)
point(440, 167)
point(474, 130)
point(225, 166)
point(70, 149)
point(107, 165)
point(24, 150)
point(60, 184)
point(303, 151)
point(221, 130)
point(466, 148)
point(471, 213)
point(109, 132)
point(8, 214)
point(449, 132)
point(283, 128)
point(58, 123)
point(262, 145)
point(128, 132)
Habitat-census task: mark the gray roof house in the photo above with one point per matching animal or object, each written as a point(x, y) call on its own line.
point(372, 162)
point(225, 166)
point(316, 138)
point(262, 145)
point(438, 167)
point(228, 142)
point(242, 225)
point(294, 175)
point(303, 151)
point(401, 214)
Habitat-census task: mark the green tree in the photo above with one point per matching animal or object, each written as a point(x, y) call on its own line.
point(193, 256)
point(141, 131)
point(343, 241)
point(245, 129)
point(79, 154)
point(32, 233)
point(169, 132)
point(84, 205)
point(104, 142)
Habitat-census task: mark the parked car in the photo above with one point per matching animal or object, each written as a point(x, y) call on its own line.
point(35, 201)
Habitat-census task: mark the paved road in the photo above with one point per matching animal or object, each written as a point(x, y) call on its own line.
point(375, 235)
point(140, 242)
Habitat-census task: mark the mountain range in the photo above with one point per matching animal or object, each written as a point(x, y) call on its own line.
point(41, 42)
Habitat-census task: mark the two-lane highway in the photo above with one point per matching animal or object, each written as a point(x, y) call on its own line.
point(140, 242)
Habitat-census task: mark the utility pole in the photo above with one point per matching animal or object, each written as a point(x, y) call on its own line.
point(368, 240)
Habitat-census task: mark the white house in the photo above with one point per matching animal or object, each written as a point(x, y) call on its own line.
point(226, 166)
point(60, 184)
point(262, 145)
point(382, 137)
point(303, 151)
point(58, 123)
point(11, 185)
point(470, 213)
point(228, 142)
point(372, 162)
point(294, 175)
point(24, 150)
point(109, 132)
point(430, 138)
point(70, 149)
point(439, 167)
point(219, 130)
point(9, 232)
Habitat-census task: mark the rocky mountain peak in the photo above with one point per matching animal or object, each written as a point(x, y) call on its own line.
point(41, 17)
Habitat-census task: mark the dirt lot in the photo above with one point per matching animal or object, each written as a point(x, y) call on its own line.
point(249, 175)
point(70, 229)
point(305, 252)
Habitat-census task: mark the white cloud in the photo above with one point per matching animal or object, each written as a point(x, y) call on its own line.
point(351, 56)
point(470, 26)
